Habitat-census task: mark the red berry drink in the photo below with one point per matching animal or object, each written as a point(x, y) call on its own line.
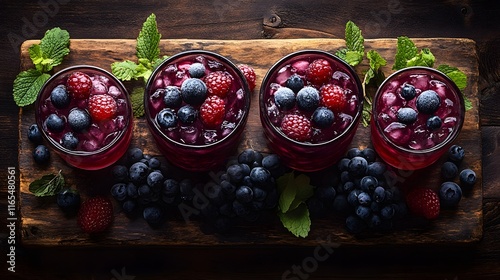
point(310, 107)
point(84, 113)
point(196, 105)
point(417, 113)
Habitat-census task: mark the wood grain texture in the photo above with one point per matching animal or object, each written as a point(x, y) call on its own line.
point(43, 224)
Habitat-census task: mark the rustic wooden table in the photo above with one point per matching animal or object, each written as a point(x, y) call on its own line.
point(244, 20)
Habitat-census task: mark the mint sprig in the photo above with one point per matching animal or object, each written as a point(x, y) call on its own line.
point(373, 75)
point(147, 52)
point(53, 47)
point(47, 185)
point(293, 211)
point(355, 49)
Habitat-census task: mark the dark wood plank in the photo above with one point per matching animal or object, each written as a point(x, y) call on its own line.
point(45, 225)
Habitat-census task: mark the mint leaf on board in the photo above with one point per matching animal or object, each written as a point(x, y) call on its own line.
point(124, 70)
point(297, 221)
point(55, 45)
point(405, 51)
point(354, 40)
point(41, 62)
point(294, 190)
point(158, 61)
point(137, 101)
point(148, 40)
point(47, 185)
point(27, 85)
point(459, 78)
point(424, 58)
point(373, 74)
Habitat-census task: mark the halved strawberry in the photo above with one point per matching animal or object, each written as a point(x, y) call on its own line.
point(95, 214)
point(423, 202)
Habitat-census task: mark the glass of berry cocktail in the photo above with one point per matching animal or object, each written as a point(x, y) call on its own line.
point(85, 115)
point(310, 107)
point(197, 105)
point(417, 113)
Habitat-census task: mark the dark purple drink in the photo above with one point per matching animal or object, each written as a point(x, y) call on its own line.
point(197, 105)
point(417, 113)
point(70, 113)
point(310, 107)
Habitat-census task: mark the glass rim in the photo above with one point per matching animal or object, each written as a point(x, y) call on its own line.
point(56, 145)
point(450, 138)
point(154, 125)
point(280, 63)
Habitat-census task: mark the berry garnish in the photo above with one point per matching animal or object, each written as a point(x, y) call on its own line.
point(433, 122)
point(449, 170)
point(284, 98)
point(172, 97)
point(424, 202)
point(193, 91)
point(95, 214)
point(450, 194)
point(68, 200)
point(218, 83)
point(69, 141)
point(467, 178)
point(187, 114)
point(428, 102)
point(166, 118)
point(212, 111)
point(408, 92)
point(333, 97)
point(60, 97)
point(249, 74)
point(79, 84)
point(296, 127)
point(41, 154)
point(456, 154)
point(295, 83)
point(319, 72)
point(308, 98)
point(323, 117)
point(79, 120)
point(34, 134)
point(102, 107)
point(407, 115)
point(54, 123)
point(196, 70)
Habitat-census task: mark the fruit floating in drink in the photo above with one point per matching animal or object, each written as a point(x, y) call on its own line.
point(310, 107)
point(417, 113)
point(196, 105)
point(85, 115)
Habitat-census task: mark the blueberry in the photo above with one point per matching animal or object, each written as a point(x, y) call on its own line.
point(228, 189)
point(355, 225)
point(369, 154)
point(79, 120)
point(153, 215)
point(132, 190)
point(345, 176)
point(60, 97)
point(357, 166)
point(246, 171)
point(341, 205)
point(433, 122)
point(449, 170)
point(387, 212)
point(68, 200)
point(379, 194)
point(456, 154)
point(119, 191)
point(34, 134)
point(284, 98)
point(428, 102)
point(374, 221)
point(316, 207)
point(354, 152)
point(408, 92)
point(295, 83)
point(450, 194)
point(348, 186)
point(171, 187)
point(407, 115)
point(467, 178)
point(154, 163)
point(244, 194)
point(193, 91)
point(172, 97)
point(54, 123)
point(257, 160)
point(368, 183)
point(134, 155)
point(260, 176)
point(129, 206)
point(235, 173)
point(364, 199)
point(246, 157)
point(343, 164)
point(187, 114)
point(240, 209)
point(259, 194)
point(69, 141)
point(41, 154)
point(363, 212)
point(326, 194)
point(196, 70)
point(376, 169)
point(272, 199)
point(166, 118)
point(138, 172)
point(120, 173)
point(271, 162)
point(308, 98)
point(155, 180)
point(144, 191)
point(323, 117)
point(352, 197)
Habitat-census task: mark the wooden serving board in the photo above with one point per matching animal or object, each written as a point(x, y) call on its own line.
point(43, 224)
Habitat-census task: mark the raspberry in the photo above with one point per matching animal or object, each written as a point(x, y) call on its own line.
point(333, 97)
point(424, 202)
point(296, 127)
point(212, 111)
point(95, 214)
point(319, 72)
point(249, 75)
point(218, 83)
point(102, 107)
point(79, 84)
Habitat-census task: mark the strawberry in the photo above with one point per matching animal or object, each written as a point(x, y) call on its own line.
point(296, 127)
point(218, 83)
point(102, 107)
point(212, 111)
point(249, 74)
point(423, 202)
point(319, 72)
point(95, 214)
point(333, 97)
point(79, 84)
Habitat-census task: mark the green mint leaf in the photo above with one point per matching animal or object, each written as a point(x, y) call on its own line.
point(376, 60)
point(366, 114)
point(158, 61)
point(124, 70)
point(424, 58)
point(468, 103)
point(457, 76)
point(148, 40)
point(137, 100)
point(405, 51)
point(297, 221)
point(55, 45)
point(353, 38)
point(353, 58)
point(47, 185)
point(374, 73)
point(294, 190)
point(27, 85)
point(341, 54)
